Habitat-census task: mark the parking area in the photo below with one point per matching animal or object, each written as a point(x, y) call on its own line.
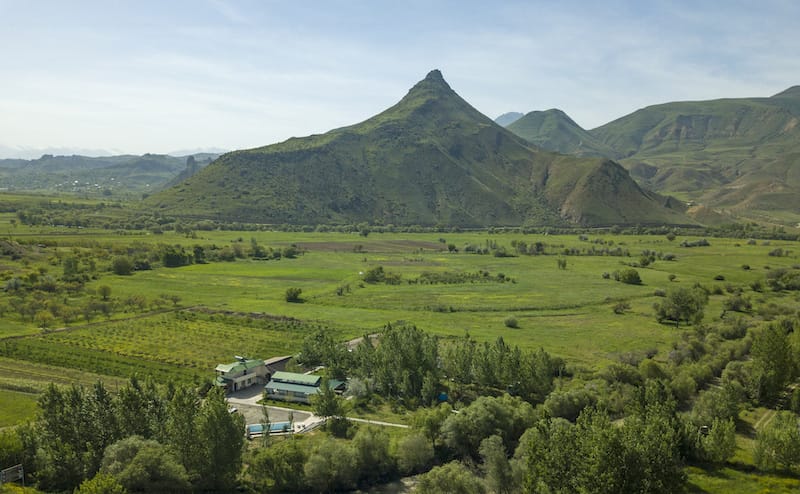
point(246, 404)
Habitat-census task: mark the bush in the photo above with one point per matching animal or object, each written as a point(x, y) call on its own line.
point(293, 294)
point(511, 322)
point(122, 266)
point(629, 276)
point(621, 307)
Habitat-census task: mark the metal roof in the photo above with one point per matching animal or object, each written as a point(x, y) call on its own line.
point(289, 387)
point(239, 366)
point(295, 378)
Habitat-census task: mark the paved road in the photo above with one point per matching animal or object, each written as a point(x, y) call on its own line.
point(246, 403)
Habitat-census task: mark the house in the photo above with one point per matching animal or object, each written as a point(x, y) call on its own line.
point(290, 386)
point(241, 374)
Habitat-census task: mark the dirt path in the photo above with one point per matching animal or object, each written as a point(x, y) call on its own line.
point(764, 420)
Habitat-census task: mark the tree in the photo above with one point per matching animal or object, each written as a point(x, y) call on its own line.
point(279, 467)
point(122, 266)
point(44, 319)
point(498, 474)
point(404, 359)
point(144, 465)
point(505, 416)
point(141, 410)
point(628, 276)
point(373, 462)
point(772, 363)
point(451, 478)
point(181, 427)
point(429, 421)
point(104, 291)
point(548, 453)
point(778, 443)
point(331, 466)
point(414, 454)
point(720, 443)
point(327, 404)
point(682, 304)
point(101, 483)
point(220, 442)
point(293, 294)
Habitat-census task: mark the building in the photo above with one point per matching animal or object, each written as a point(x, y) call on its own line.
point(241, 374)
point(290, 386)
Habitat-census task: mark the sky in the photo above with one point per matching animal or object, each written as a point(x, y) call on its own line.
point(118, 76)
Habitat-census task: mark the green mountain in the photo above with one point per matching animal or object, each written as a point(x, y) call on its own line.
point(114, 174)
point(430, 159)
point(739, 157)
point(508, 118)
point(555, 131)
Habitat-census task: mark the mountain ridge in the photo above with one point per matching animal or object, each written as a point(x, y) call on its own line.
point(738, 155)
point(430, 159)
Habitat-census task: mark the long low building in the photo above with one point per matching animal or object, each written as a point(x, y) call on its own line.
point(291, 386)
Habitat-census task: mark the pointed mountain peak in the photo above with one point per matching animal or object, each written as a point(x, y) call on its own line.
point(433, 83)
point(435, 75)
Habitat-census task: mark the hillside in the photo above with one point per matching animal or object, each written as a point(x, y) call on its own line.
point(555, 131)
point(430, 159)
point(737, 156)
point(123, 173)
point(508, 118)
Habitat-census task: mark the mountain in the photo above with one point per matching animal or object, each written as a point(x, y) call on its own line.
point(507, 119)
point(107, 174)
point(430, 159)
point(741, 154)
point(740, 157)
point(555, 131)
point(27, 153)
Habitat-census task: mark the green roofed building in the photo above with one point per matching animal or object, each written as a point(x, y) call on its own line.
point(290, 386)
point(241, 374)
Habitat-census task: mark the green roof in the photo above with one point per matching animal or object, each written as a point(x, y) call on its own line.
point(295, 378)
point(295, 388)
point(239, 366)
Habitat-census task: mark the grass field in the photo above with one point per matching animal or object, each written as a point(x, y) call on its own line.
point(16, 407)
point(239, 308)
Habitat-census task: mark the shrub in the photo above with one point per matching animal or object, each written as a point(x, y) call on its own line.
point(621, 307)
point(672, 277)
point(629, 276)
point(122, 266)
point(293, 294)
point(511, 322)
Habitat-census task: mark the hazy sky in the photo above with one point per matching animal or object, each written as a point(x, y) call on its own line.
point(159, 76)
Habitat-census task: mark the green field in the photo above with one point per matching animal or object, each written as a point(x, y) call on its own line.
point(565, 311)
point(222, 309)
point(16, 407)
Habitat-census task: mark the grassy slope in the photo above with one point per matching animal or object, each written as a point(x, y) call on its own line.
point(733, 154)
point(430, 159)
point(555, 131)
